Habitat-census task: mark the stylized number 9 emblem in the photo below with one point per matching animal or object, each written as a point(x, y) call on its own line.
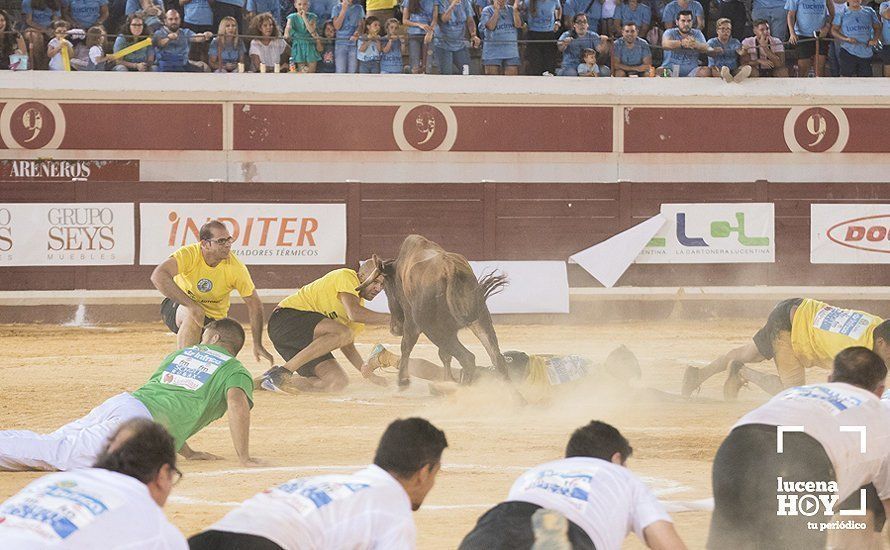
point(32, 121)
point(817, 126)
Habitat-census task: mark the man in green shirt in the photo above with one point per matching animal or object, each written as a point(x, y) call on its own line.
point(193, 387)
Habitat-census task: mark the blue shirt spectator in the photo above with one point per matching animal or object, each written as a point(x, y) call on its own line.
point(729, 57)
point(452, 34)
point(857, 24)
point(43, 17)
point(593, 9)
point(391, 61)
point(321, 8)
point(198, 12)
point(85, 13)
point(500, 43)
point(571, 56)
point(631, 55)
point(686, 58)
point(263, 6)
point(885, 24)
point(175, 54)
point(669, 15)
point(423, 14)
point(133, 6)
point(231, 53)
point(543, 17)
point(139, 56)
point(641, 15)
point(810, 15)
point(239, 3)
point(371, 53)
point(767, 4)
point(354, 16)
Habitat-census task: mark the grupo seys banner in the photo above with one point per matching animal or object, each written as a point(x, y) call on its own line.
point(713, 233)
point(66, 234)
point(294, 234)
point(850, 233)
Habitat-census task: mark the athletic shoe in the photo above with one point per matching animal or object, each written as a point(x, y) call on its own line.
point(382, 358)
point(743, 73)
point(734, 382)
point(725, 74)
point(551, 530)
point(273, 379)
point(691, 381)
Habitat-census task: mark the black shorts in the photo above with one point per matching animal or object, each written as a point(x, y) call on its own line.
point(225, 540)
point(198, 29)
point(291, 330)
point(779, 319)
point(168, 314)
point(872, 504)
point(807, 48)
point(885, 54)
point(746, 497)
point(508, 526)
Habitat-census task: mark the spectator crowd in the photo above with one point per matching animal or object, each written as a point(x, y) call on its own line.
point(732, 39)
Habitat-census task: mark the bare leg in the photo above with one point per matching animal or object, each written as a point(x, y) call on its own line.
point(770, 383)
point(694, 377)
point(189, 333)
point(327, 336)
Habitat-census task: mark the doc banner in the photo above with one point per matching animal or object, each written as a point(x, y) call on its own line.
point(850, 233)
point(713, 234)
point(293, 234)
point(66, 234)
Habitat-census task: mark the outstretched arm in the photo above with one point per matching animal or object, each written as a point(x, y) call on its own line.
point(661, 535)
point(255, 308)
point(239, 424)
point(360, 314)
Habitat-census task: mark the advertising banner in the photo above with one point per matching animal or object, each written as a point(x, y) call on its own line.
point(66, 234)
point(712, 234)
point(850, 233)
point(265, 234)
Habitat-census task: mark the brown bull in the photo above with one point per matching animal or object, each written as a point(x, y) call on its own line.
point(436, 293)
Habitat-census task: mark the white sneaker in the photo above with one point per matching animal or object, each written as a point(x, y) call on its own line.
point(725, 74)
point(743, 73)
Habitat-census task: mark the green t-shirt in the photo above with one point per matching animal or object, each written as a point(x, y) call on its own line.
point(189, 390)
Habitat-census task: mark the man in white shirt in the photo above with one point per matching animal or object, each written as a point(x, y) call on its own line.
point(370, 509)
point(592, 488)
point(115, 504)
point(834, 437)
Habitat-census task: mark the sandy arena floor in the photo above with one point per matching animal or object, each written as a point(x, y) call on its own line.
point(50, 375)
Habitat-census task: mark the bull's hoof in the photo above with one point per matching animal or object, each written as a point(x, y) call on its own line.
point(404, 383)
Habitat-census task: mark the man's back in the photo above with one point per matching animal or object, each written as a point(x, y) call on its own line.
point(820, 331)
point(368, 509)
point(86, 509)
point(188, 391)
point(604, 499)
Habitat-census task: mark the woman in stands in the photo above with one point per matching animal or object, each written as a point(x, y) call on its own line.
point(39, 16)
point(131, 32)
point(500, 50)
point(226, 50)
point(302, 30)
point(11, 42)
point(419, 16)
point(266, 51)
point(573, 42)
point(95, 42)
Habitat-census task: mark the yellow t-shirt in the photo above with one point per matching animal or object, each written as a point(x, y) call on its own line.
point(321, 296)
point(210, 286)
point(373, 5)
point(820, 331)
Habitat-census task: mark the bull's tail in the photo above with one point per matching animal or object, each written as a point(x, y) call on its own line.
point(490, 284)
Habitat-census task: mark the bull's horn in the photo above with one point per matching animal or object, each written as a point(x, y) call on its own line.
point(374, 274)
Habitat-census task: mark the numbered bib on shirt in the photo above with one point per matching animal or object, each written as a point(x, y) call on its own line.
point(307, 495)
point(842, 321)
point(573, 485)
point(830, 399)
point(193, 367)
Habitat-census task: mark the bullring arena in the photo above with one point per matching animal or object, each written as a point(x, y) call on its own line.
point(504, 175)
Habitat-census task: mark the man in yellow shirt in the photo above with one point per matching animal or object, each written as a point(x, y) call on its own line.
point(322, 316)
point(799, 333)
point(197, 280)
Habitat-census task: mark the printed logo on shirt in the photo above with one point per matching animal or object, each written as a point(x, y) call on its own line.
point(54, 512)
point(574, 485)
point(307, 495)
point(842, 321)
point(831, 400)
point(193, 367)
point(205, 285)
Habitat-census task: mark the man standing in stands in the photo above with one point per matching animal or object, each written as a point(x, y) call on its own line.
point(115, 504)
point(592, 488)
point(192, 388)
point(172, 45)
point(322, 316)
point(368, 509)
point(197, 280)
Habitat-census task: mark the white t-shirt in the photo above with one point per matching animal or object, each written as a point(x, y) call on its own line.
point(84, 510)
point(269, 55)
point(366, 510)
point(55, 63)
point(822, 410)
point(604, 499)
point(95, 53)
